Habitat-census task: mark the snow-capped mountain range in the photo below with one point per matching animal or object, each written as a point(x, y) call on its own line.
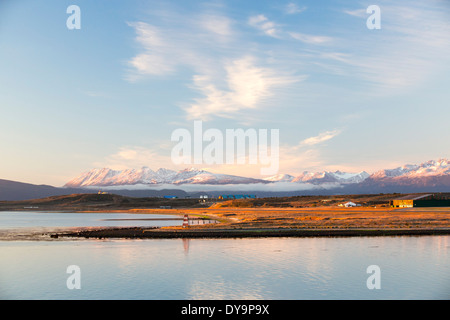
point(433, 171)
point(331, 177)
point(430, 174)
point(146, 176)
point(426, 169)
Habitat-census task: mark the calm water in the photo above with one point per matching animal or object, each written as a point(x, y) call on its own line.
point(267, 268)
point(20, 220)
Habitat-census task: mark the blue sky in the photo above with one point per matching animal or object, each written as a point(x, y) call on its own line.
point(110, 94)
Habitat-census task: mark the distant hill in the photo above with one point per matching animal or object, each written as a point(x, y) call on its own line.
point(12, 190)
point(95, 202)
point(16, 191)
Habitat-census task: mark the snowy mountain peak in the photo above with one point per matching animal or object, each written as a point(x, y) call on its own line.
point(429, 168)
point(280, 178)
point(192, 169)
point(145, 176)
point(350, 177)
point(107, 177)
point(331, 177)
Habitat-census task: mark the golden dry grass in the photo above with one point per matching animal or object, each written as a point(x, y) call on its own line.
point(316, 218)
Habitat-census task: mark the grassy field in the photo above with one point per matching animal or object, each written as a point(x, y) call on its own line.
point(319, 217)
point(308, 212)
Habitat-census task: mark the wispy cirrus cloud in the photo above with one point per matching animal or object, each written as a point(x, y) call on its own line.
point(156, 57)
point(216, 50)
point(164, 50)
point(228, 80)
point(322, 137)
point(262, 23)
point(293, 8)
point(311, 39)
point(412, 44)
point(217, 24)
point(275, 30)
point(361, 13)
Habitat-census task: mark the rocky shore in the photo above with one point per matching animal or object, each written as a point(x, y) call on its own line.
point(178, 233)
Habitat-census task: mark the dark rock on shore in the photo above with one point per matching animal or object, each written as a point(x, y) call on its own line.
point(155, 233)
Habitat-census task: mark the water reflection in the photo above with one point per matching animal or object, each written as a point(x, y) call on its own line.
point(22, 220)
point(186, 245)
point(270, 268)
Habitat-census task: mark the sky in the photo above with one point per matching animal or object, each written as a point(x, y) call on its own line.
point(111, 93)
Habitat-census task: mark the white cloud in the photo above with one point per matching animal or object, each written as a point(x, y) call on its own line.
point(262, 23)
point(156, 56)
point(310, 38)
point(256, 20)
point(228, 80)
point(272, 29)
point(163, 50)
point(405, 54)
point(248, 86)
point(218, 25)
point(152, 64)
point(360, 13)
point(292, 8)
point(322, 137)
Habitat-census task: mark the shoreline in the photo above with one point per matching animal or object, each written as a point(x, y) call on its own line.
point(267, 222)
point(178, 233)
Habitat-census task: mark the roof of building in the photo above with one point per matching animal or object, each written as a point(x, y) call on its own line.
point(414, 197)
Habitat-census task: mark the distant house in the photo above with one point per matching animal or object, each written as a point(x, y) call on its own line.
point(170, 197)
point(350, 204)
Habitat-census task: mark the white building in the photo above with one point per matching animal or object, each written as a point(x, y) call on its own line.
point(349, 204)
